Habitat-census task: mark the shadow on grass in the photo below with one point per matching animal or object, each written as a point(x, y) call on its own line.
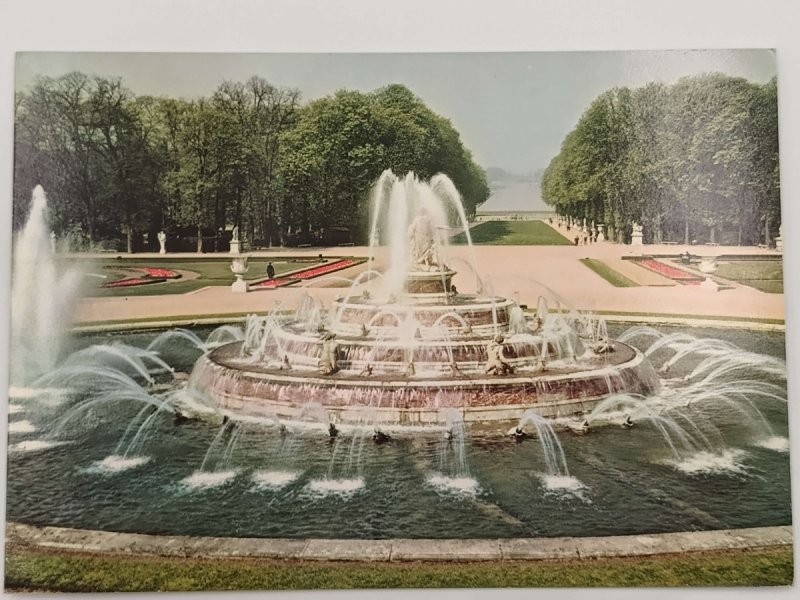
point(485, 233)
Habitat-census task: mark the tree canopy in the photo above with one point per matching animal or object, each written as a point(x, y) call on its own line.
point(117, 166)
point(697, 160)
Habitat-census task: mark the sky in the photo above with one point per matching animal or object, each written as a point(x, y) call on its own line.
point(512, 109)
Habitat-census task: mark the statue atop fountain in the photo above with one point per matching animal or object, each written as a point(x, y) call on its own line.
point(421, 233)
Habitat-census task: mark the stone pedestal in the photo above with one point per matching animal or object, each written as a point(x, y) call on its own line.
point(236, 248)
point(239, 267)
point(709, 285)
point(240, 285)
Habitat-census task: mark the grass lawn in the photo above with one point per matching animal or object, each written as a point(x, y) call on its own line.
point(513, 233)
point(53, 571)
point(212, 271)
point(609, 274)
point(764, 275)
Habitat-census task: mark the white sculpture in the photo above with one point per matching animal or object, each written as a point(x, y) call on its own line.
point(600, 235)
point(162, 240)
point(53, 242)
point(637, 235)
point(236, 245)
point(423, 246)
point(496, 363)
point(779, 240)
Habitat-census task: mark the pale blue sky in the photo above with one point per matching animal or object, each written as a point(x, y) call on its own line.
point(512, 109)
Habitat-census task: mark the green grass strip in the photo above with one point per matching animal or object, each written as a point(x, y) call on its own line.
point(610, 275)
point(513, 233)
point(28, 571)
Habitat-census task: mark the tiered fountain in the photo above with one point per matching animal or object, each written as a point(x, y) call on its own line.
point(99, 439)
point(409, 347)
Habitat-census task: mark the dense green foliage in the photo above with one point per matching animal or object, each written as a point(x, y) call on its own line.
point(39, 572)
point(251, 155)
point(697, 160)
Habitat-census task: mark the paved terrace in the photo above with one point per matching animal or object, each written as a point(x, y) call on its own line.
point(526, 270)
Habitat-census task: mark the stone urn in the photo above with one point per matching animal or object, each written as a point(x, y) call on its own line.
point(708, 266)
point(239, 267)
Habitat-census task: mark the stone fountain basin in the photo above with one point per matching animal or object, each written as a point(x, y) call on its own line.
point(253, 390)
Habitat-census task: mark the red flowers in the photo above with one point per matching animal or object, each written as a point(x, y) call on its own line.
point(308, 273)
point(151, 275)
point(162, 273)
point(669, 271)
point(132, 281)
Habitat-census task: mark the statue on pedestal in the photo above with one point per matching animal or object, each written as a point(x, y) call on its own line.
point(162, 240)
point(637, 235)
point(421, 235)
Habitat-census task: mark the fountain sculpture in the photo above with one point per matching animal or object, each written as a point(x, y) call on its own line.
point(414, 345)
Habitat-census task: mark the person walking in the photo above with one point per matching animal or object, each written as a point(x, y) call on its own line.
point(270, 271)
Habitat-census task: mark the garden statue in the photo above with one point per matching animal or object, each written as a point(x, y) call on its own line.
point(637, 235)
point(236, 244)
point(330, 352)
point(421, 236)
point(162, 241)
point(496, 363)
point(53, 241)
point(779, 240)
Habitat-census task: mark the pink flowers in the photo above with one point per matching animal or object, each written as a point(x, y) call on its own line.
point(150, 275)
point(275, 283)
point(669, 271)
point(132, 281)
point(324, 269)
point(162, 273)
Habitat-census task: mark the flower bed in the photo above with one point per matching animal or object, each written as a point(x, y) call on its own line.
point(668, 271)
point(132, 281)
point(275, 283)
point(162, 273)
point(324, 269)
point(309, 273)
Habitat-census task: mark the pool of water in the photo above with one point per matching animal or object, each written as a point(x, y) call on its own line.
point(254, 480)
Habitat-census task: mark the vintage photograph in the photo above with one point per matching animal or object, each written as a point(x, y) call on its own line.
point(320, 321)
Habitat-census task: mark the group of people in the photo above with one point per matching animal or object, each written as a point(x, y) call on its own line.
point(587, 239)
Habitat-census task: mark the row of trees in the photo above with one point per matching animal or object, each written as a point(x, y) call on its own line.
point(696, 160)
point(117, 166)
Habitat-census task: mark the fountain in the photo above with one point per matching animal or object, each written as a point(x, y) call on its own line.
point(380, 415)
point(413, 345)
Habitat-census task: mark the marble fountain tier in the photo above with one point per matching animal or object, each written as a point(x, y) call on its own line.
point(414, 356)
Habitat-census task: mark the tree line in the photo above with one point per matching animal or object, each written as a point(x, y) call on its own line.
point(693, 161)
point(117, 166)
